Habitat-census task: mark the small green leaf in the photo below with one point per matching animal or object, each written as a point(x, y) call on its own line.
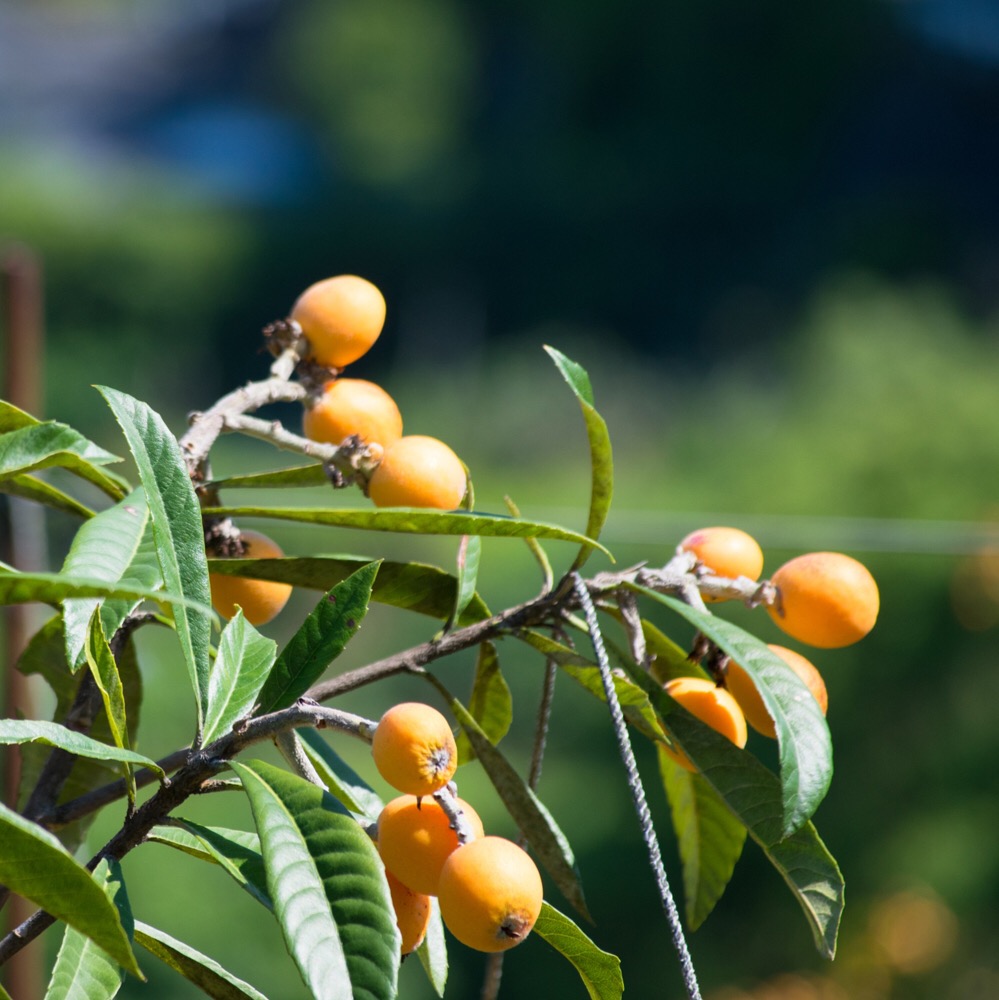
point(52, 588)
point(599, 970)
point(82, 970)
point(35, 865)
point(177, 529)
point(35, 489)
point(242, 664)
point(196, 968)
point(805, 744)
point(469, 555)
point(103, 549)
point(297, 477)
point(53, 735)
point(710, 838)
point(322, 638)
point(601, 461)
point(535, 822)
point(491, 703)
point(432, 952)
point(340, 778)
point(412, 586)
point(413, 520)
point(328, 887)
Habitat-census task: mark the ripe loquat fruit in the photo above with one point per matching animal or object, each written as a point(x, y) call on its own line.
point(341, 318)
point(414, 749)
point(415, 838)
point(260, 600)
point(728, 552)
point(412, 913)
point(742, 688)
point(490, 894)
point(712, 705)
point(418, 471)
point(353, 406)
point(825, 599)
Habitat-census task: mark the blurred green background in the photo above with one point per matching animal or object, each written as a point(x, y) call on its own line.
point(771, 234)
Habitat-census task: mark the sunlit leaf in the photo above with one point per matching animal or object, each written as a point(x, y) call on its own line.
point(204, 972)
point(177, 529)
point(322, 638)
point(327, 884)
point(599, 970)
point(241, 666)
point(710, 838)
point(35, 865)
point(601, 461)
point(491, 703)
point(412, 586)
point(432, 952)
point(296, 477)
point(52, 588)
point(35, 489)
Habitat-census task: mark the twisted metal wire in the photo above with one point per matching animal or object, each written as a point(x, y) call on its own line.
point(637, 790)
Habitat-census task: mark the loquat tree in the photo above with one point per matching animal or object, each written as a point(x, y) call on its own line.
point(355, 883)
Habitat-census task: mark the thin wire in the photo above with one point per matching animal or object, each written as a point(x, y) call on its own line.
point(637, 790)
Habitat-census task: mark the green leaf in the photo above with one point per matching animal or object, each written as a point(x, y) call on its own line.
point(601, 461)
point(535, 822)
point(491, 703)
point(413, 520)
point(328, 887)
point(432, 952)
point(103, 549)
point(325, 632)
point(754, 795)
point(710, 838)
point(805, 744)
point(35, 865)
point(52, 588)
point(469, 556)
point(237, 852)
point(297, 477)
point(104, 670)
point(32, 488)
point(340, 778)
point(244, 659)
point(412, 586)
point(39, 445)
point(196, 968)
point(82, 970)
point(599, 970)
point(52, 734)
point(177, 529)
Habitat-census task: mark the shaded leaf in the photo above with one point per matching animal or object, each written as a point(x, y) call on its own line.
point(325, 632)
point(82, 970)
point(490, 704)
point(327, 884)
point(412, 586)
point(599, 970)
point(196, 968)
point(710, 838)
point(340, 778)
point(601, 461)
point(177, 529)
point(35, 865)
point(32, 488)
point(432, 952)
point(242, 664)
point(804, 742)
point(413, 520)
point(52, 588)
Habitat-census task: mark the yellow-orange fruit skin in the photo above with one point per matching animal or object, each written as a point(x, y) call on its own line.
point(353, 406)
point(712, 705)
point(490, 894)
point(728, 552)
point(825, 599)
point(418, 471)
point(412, 913)
point(742, 688)
point(414, 749)
point(415, 839)
point(261, 600)
point(341, 317)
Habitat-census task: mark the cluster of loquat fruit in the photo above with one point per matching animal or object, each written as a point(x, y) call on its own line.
point(340, 318)
point(823, 599)
point(433, 843)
